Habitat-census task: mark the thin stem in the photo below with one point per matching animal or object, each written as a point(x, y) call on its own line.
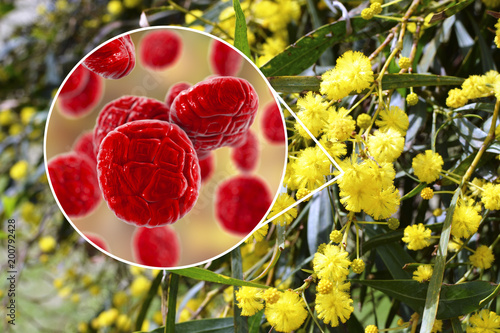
point(391, 3)
point(185, 11)
point(382, 46)
point(389, 18)
point(451, 179)
point(362, 99)
point(490, 137)
point(357, 240)
point(310, 312)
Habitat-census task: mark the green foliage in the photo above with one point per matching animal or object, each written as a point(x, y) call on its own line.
point(447, 42)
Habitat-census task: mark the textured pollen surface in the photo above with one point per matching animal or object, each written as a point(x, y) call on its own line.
point(272, 124)
point(175, 90)
point(224, 60)
point(148, 172)
point(216, 112)
point(73, 178)
point(157, 247)
point(126, 109)
point(113, 60)
point(241, 202)
point(80, 102)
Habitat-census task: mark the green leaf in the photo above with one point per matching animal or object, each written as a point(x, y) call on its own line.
point(240, 322)
point(434, 291)
point(281, 233)
point(209, 276)
point(254, 322)
point(487, 107)
point(393, 255)
point(471, 135)
point(240, 30)
point(152, 293)
point(415, 191)
point(392, 236)
point(172, 302)
point(456, 300)
point(297, 84)
point(320, 221)
point(491, 296)
point(487, 61)
point(213, 325)
point(450, 11)
point(456, 325)
point(5, 8)
point(306, 51)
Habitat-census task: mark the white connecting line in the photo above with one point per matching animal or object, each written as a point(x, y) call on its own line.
point(322, 149)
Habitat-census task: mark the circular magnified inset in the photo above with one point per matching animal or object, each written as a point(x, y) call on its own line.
point(165, 147)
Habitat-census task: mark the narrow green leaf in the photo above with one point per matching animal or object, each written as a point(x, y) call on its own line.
point(172, 303)
point(254, 322)
point(296, 84)
point(450, 11)
point(5, 8)
point(307, 50)
point(209, 276)
point(153, 291)
point(491, 296)
point(213, 325)
point(433, 293)
point(456, 300)
point(393, 256)
point(240, 30)
point(487, 107)
point(391, 237)
point(470, 134)
point(240, 322)
point(414, 192)
point(281, 233)
point(456, 325)
point(320, 220)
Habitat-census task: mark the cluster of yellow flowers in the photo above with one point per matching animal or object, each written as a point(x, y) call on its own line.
point(475, 86)
point(264, 18)
point(286, 310)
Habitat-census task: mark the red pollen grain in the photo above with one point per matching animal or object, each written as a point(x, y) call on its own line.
point(216, 112)
point(241, 202)
point(159, 247)
point(160, 49)
point(207, 166)
point(148, 172)
point(174, 91)
point(97, 240)
point(75, 82)
point(126, 109)
point(84, 144)
point(113, 60)
point(272, 124)
point(246, 156)
point(80, 102)
point(224, 60)
point(74, 180)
